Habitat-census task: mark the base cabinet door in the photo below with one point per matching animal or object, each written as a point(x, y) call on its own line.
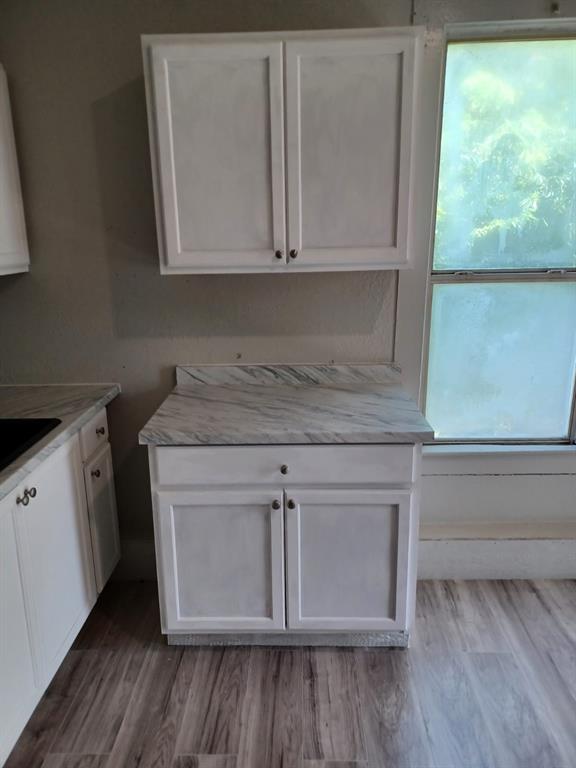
point(55, 557)
point(220, 560)
point(18, 692)
point(347, 554)
point(99, 479)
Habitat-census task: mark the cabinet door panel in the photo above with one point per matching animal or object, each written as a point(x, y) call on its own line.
point(219, 125)
point(349, 118)
point(56, 558)
point(99, 479)
point(18, 692)
point(221, 556)
point(347, 556)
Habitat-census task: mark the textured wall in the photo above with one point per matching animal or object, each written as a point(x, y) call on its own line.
point(94, 307)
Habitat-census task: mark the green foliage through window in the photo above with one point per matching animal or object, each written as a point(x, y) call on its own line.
point(507, 182)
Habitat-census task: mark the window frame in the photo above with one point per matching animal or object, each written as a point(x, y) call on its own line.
point(415, 287)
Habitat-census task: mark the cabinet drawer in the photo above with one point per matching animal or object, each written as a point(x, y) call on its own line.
point(94, 434)
point(284, 465)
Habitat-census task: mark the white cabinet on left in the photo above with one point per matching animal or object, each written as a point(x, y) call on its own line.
point(18, 691)
point(14, 255)
point(55, 555)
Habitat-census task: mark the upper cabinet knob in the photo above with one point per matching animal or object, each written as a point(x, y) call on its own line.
point(32, 492)
point(276, 504)
point(284, 469)
point(293, 253)
point(291, 504)
point(279, 254)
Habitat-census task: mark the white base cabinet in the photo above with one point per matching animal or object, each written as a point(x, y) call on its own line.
point(58, 545)
point(331, 548)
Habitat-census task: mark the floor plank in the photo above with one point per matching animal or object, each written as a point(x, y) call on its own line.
point(92, 724)
point(452, 715)
point(271, 725)
point(211, 721)
point(75, 761)
point(332, 720)
point(205, 761)
point(392, 718)
point(516, 733)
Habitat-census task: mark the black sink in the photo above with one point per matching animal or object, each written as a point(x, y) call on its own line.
point(17, 435)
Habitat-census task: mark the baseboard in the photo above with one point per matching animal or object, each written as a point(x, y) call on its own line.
point(454, 558)
point(497, 559)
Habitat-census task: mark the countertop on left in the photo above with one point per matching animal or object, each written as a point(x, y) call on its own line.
point(74, 404)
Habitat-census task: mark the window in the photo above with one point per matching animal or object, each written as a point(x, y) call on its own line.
point(502, 349)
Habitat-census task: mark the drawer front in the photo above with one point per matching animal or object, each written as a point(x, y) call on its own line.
point(284, 465)
point(94, 434)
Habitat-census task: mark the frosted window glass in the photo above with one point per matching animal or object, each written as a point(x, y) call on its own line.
point(502, 360)
point(507, 179)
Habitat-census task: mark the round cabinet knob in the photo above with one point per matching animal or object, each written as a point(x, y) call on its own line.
point(95, 473)
point(276, 504)
point(32, 493)
point(101, 431)
point(24, 499)
point(279, 254)
point(284, 469)
point(291, 504)
point(293, 253)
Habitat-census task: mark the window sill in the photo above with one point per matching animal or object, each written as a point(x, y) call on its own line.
point(481, 449)
point(499, 459)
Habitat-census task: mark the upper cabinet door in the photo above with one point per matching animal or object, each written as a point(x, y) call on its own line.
point(349, 105)
point(218, 121)
point(13, 244)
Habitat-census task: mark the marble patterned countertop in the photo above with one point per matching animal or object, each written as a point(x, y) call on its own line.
point(73, 404)
point(265, 405)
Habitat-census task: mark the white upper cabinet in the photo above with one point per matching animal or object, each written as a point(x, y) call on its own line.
point(217, 110)
point(13, 244)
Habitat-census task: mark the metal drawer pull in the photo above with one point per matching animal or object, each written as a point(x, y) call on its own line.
point(95, 473)
point(284, 469)
point(101, 430)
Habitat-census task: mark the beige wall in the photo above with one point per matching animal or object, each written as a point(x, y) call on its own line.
point(94, 307)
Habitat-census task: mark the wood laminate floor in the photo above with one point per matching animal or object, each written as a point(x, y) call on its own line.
point(490, 682)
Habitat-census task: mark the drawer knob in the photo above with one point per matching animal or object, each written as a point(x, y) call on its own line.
point(276, 504)
point(291, 504)
point(95, 473)
point(293, 253)
point(284, 469)
point(279, 254)
point(101, 430)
